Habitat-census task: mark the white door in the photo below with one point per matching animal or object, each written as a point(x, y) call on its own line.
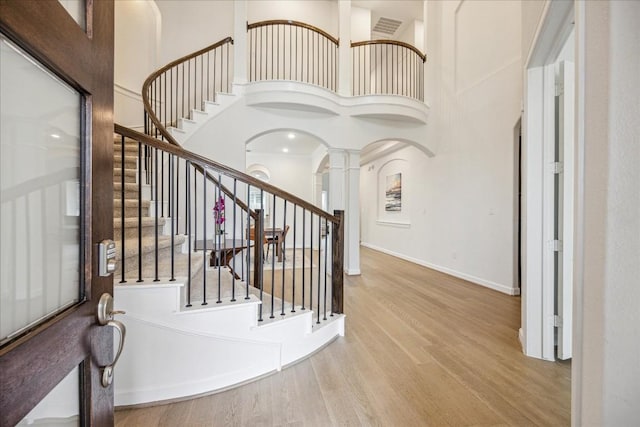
point(564, 208)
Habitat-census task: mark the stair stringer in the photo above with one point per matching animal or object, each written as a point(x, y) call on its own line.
point(174, 353)
point(187, 126)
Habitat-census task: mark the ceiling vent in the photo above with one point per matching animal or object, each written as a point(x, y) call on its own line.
point(386, 26)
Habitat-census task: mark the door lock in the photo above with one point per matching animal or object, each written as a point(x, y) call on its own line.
point(107, 257)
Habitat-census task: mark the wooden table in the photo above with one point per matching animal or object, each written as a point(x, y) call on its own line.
point(223, 252)
point(275, 235)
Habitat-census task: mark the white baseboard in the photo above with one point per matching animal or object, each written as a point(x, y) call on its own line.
point(482, 282)
point(353, 271)
point(521, 338)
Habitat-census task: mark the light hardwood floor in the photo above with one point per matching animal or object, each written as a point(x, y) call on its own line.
point(421, 349)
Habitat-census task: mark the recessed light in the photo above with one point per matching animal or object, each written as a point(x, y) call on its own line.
point(291, 135)
point(55, 136)
point(285, 150)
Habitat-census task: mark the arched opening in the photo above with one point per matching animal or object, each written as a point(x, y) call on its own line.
point(395, 202)
point(287, 157)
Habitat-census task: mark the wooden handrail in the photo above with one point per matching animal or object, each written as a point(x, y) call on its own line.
point(219, 167)
point(391, 42)
point(158, 124)
point(155, 74)
point(295, 24)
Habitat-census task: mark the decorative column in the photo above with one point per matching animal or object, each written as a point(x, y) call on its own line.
point(337, 160)
point(317, 189)
point(344, 50)
point(352, 214)
point(239, 42)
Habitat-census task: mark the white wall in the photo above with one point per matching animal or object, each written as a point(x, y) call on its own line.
point(319, 13)
point(413, 34)
point(137, 33)
point(607, 375)
point(462, 200)
point(360, 24)
point(189, 25)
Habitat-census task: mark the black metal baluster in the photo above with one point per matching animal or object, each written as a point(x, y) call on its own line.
point(122, 209)
point(162, 184)
point(228, 80)
point(204, 239)
point(293, 284)
point(218, 246)
point(259, 239)
point(139, 212)
point(215, 70)
point(188, 90)
point(156, 212)
point(304, 250)
point(273, 258)
point(326, 251)
point(182, 109)
point(188, 229)
point(290, 54)
point(177, 192)
point(282, 250)
point(319, 263)
point(311, 261)
point(248, 240)
point(241, 222)
point(187, 199)
point(172, 206)
point(195, 204)
point(233, 237)
point(170, 97)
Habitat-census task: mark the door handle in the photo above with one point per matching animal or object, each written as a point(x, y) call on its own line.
point(105, 318)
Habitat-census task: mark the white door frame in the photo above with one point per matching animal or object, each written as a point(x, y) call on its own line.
point(538, 138)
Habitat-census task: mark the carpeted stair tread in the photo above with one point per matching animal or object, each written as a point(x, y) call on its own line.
point(148, 244)
point(131, 208)
point(181, 263)
point(147, 221)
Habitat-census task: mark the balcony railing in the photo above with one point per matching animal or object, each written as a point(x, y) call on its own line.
point(185, 84)
point(387, 67)
point(290, 50)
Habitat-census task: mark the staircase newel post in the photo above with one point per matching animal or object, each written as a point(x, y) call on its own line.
point(337, 266)
point(258, 249)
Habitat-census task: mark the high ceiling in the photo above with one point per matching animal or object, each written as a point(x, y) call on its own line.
point(404, 11)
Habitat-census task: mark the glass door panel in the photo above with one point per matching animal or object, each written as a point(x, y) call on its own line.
point(40, 153)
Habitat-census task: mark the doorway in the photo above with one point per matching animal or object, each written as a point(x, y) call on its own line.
point(57, 178)
point(547, 150)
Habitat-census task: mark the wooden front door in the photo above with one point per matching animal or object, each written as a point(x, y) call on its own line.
point(37, 356)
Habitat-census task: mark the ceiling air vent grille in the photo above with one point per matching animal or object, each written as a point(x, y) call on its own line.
point(386, 26)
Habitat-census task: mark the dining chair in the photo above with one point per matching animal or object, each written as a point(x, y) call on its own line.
point(275, 239)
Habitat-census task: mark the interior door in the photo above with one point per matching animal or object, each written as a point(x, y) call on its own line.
point(50, 281)
point(564, 209)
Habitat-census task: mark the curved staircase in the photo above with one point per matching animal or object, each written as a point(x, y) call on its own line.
point(193, 328)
